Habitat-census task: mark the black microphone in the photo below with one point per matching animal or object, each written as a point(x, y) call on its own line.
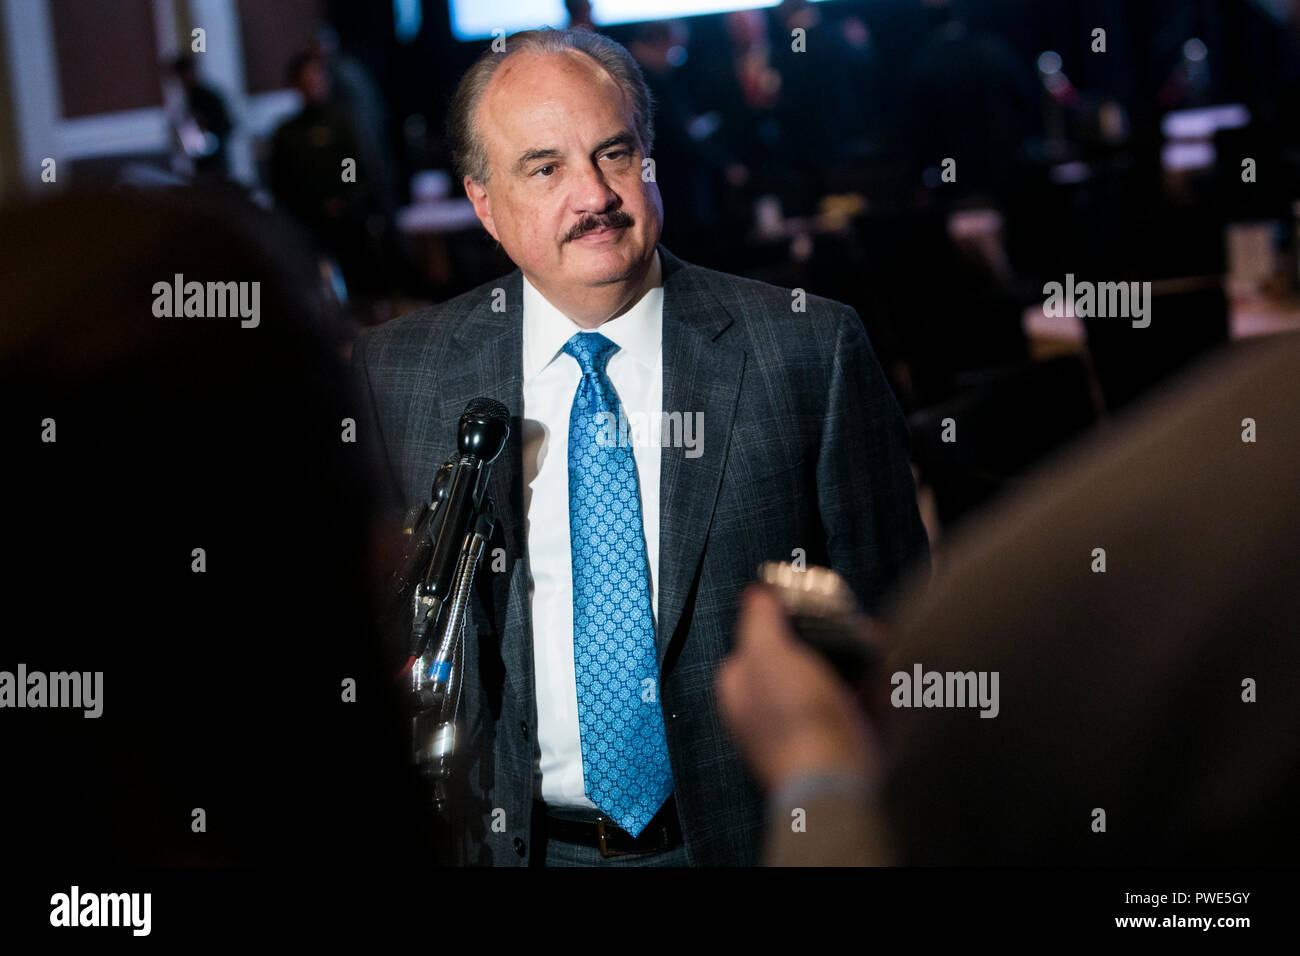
point(417, 545)
point(480, 438)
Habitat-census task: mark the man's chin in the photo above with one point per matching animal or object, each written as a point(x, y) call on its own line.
point(603, 265)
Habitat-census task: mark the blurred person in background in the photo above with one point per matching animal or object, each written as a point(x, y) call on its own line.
point(202, 125)
point(692, 166)
point(320, 176)
point(353, 90)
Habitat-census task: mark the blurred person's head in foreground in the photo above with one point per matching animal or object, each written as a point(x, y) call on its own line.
point(196, 531)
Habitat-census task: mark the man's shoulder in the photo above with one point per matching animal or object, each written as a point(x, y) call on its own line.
point(432, 323)
point(780, 326)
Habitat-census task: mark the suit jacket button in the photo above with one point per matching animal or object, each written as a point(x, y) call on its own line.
point(519, 846)
point(523, 727)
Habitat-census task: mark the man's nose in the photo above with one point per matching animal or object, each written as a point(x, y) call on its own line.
point(592, 191)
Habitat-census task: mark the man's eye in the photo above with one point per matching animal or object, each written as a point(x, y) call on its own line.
point(544, 170)
point(616, 154)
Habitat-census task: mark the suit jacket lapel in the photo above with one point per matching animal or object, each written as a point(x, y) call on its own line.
point(702, 374)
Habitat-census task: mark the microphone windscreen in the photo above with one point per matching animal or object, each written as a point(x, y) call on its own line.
point(488, 408)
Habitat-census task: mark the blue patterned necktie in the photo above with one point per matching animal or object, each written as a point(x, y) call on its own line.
point(624, 747)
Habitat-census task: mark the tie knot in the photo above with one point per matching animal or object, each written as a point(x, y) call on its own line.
point(591, 350)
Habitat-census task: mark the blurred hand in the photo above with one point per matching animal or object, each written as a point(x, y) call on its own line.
point(786, 708)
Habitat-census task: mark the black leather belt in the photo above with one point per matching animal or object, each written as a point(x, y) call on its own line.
point(663, 832)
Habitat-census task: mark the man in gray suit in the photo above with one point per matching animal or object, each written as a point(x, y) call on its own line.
point(589, 732)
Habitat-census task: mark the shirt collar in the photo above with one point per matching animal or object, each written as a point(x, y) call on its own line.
point(638, 331)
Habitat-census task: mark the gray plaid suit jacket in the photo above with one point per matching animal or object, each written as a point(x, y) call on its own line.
point(804, 447)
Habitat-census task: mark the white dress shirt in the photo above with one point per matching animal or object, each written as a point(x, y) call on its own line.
point(551, 380)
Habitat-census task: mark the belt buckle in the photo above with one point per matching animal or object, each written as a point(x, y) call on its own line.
point(605, 851)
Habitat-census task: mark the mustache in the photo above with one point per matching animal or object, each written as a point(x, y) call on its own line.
point(614, 219)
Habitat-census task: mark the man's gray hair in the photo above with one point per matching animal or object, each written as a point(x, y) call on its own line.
point(468, 153)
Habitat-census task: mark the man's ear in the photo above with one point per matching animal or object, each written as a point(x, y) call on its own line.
point(482, 206)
